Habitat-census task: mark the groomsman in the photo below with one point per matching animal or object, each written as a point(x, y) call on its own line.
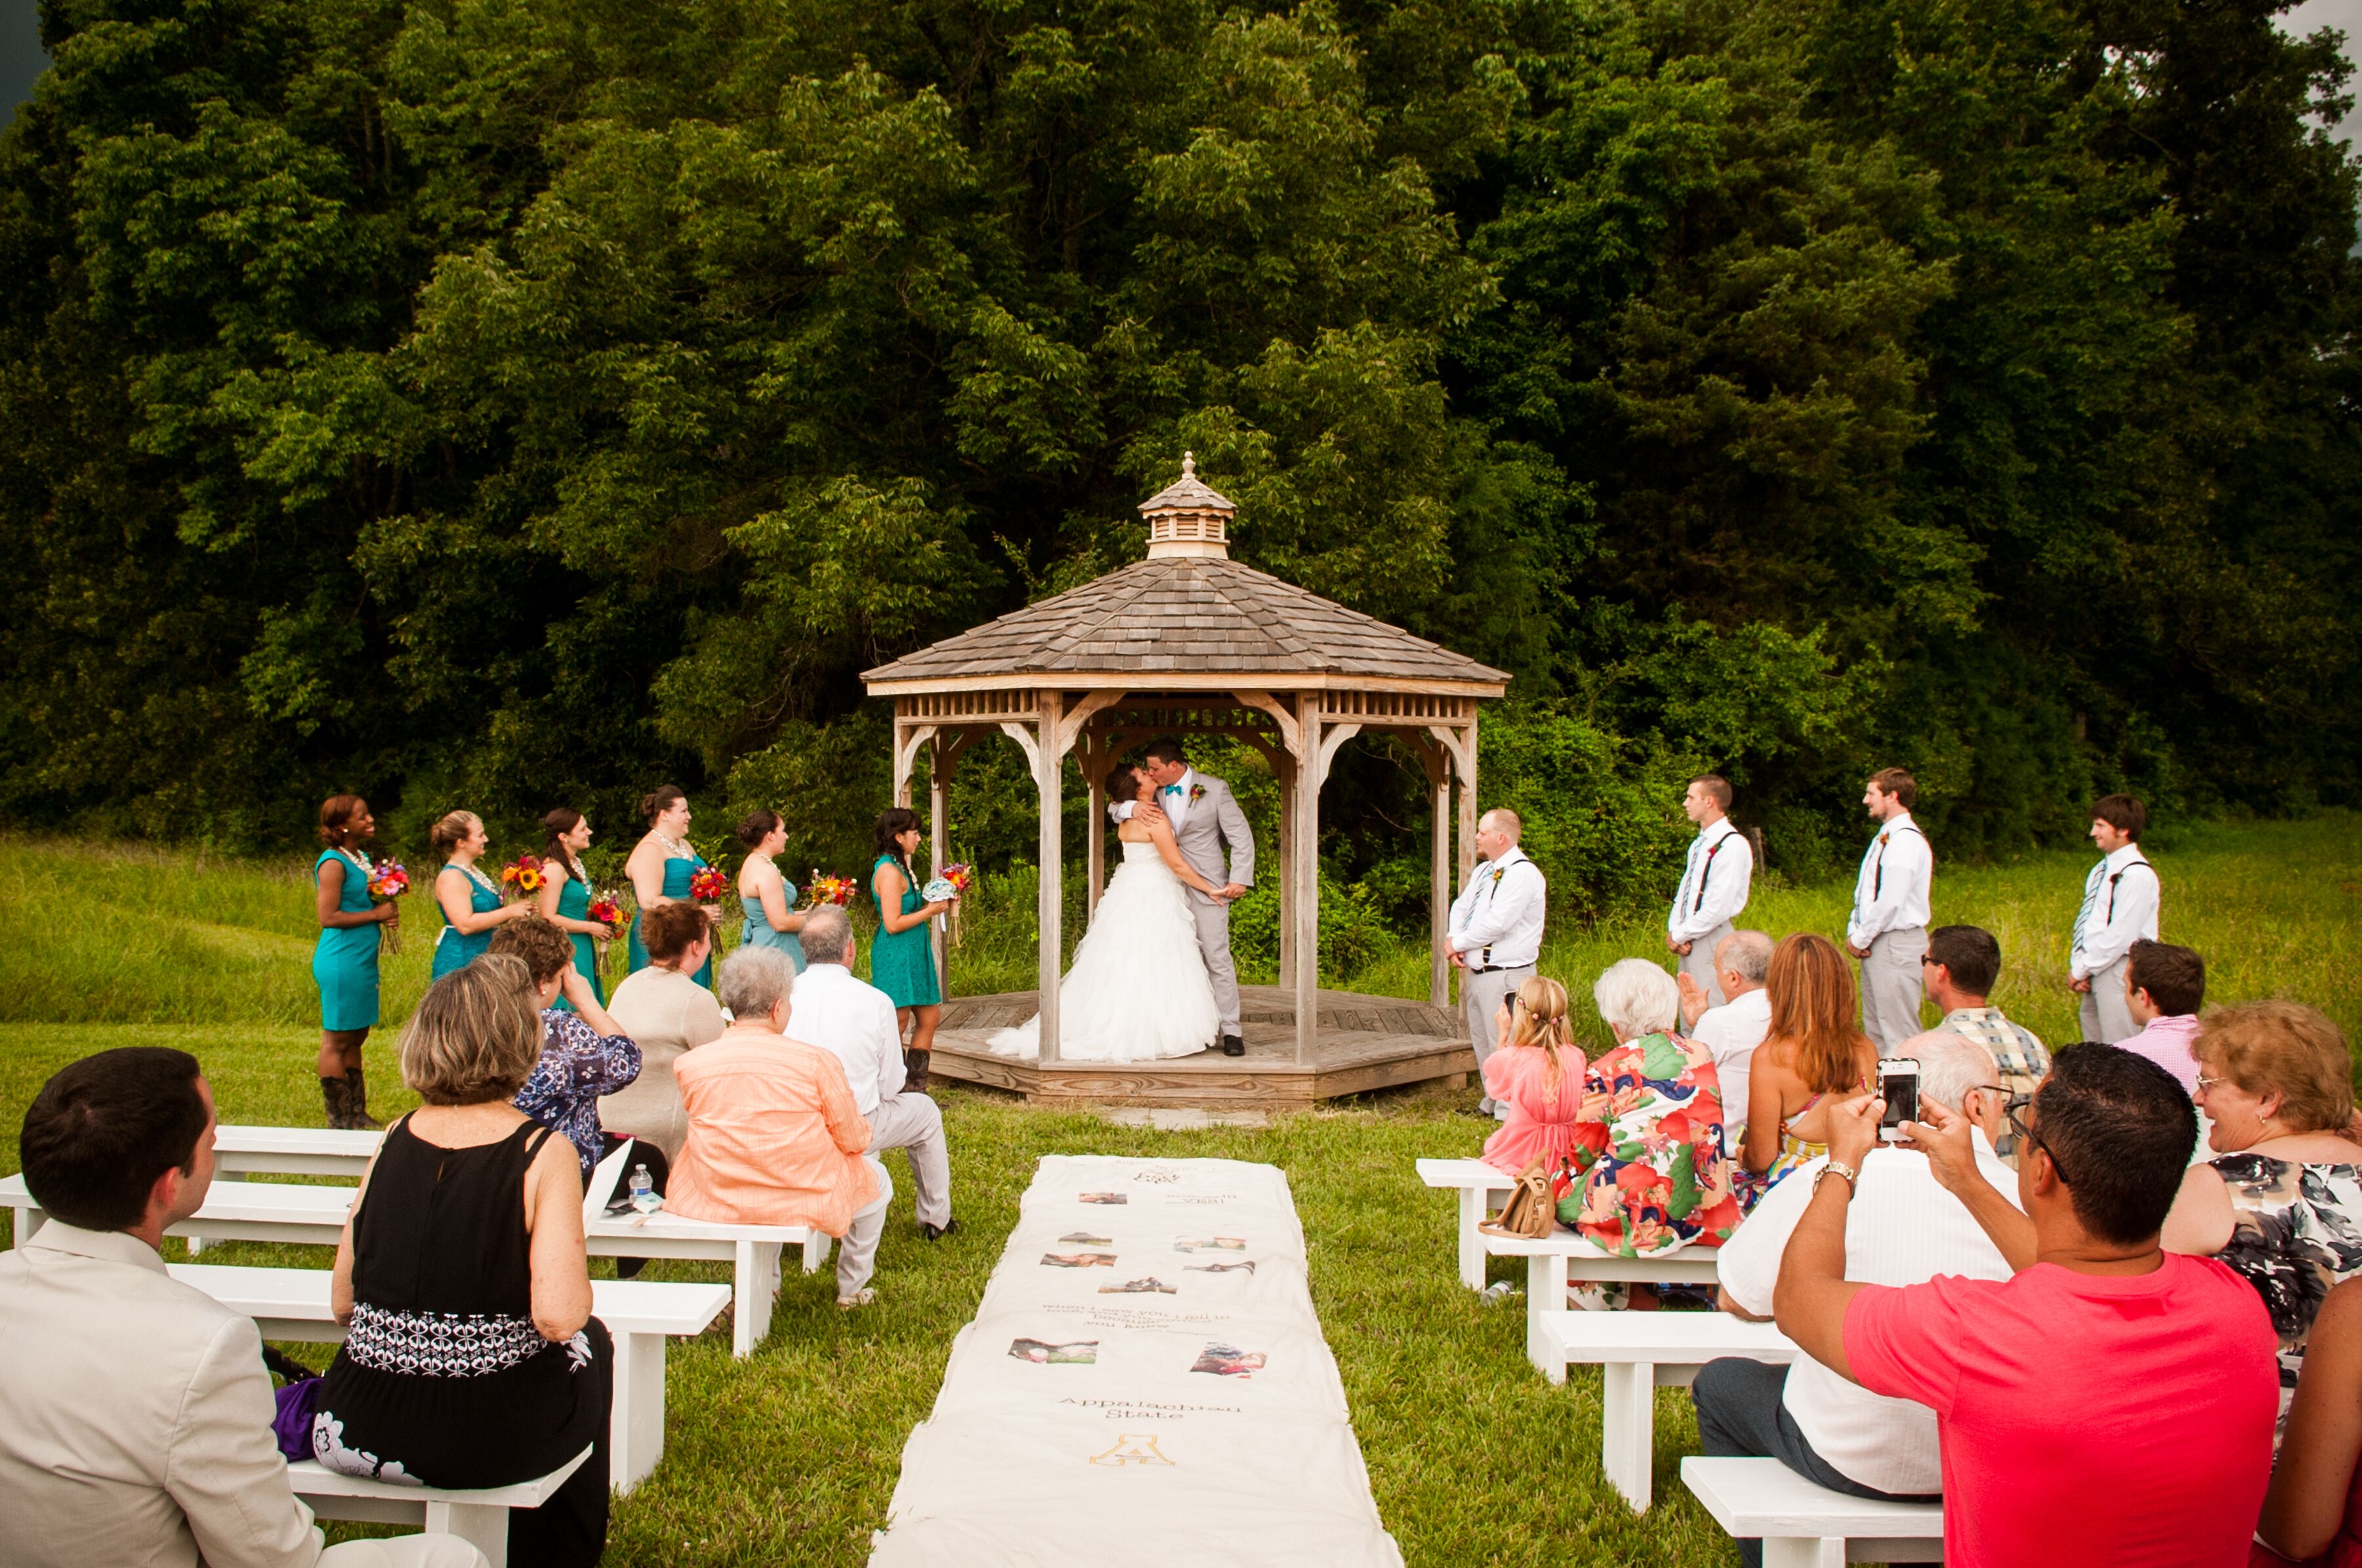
point(1706, 905)
point(1888, 931)
point(1496, 932)
point(2120, 905)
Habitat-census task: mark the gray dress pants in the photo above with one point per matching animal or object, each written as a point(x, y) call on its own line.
point(1213, 918)
point(1480, 999)
point(856, 1255)
point(1698, 963)
point(1891, 986)
point(2105, 1015)
point(912, 1123)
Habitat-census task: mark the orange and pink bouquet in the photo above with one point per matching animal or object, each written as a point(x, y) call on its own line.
point(388, 879)
point(524, 876)
point(708, 886)
point(608, 913)
point(830, 889)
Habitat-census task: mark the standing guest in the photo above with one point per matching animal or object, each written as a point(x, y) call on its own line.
point(668, 1012)
point(473, 1360)
point(2119, 904)
point(138, 1415)
point(343, 962)
point(1538, 1073)
point(2164, 987)
point(660, 867)
point(2281, 1199)
point(1812, 1060)
point(1888, 931)
point(767, 897)
point(1962, 964)
point(855, 1022)
point(1648, 1141)
point(2312, 1514)
point(565, 897)
point(1496, 933)
point(1731, 1029)
point(1714, 883)
point(470, 901)
point(584, 1052)
point(773, 1136)
point(902, 964)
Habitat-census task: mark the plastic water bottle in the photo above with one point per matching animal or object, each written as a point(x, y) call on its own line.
point(643, 1190)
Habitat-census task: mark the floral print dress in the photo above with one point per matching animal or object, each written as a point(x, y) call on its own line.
point(2296, 1232)
point(1652, 1173)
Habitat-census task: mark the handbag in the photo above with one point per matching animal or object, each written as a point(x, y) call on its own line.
point(1532, 1212)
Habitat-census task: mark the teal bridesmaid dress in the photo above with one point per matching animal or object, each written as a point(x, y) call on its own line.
point(677, 872)
point(345, 960)
point(452, 949)
point(903, 963)
point(757, 931)
point(574, 903)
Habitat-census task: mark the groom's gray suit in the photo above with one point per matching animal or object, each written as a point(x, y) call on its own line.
point(1209, 825)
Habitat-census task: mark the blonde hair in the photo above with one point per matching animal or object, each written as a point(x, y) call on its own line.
point(1539, 1020)
point(476, 1034)
point(2284, 1048)
point(452, 831)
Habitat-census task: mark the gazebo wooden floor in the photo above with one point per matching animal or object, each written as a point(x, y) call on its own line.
point(1364, 1042)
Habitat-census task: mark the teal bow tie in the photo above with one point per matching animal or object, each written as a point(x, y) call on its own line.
point(1173, 788)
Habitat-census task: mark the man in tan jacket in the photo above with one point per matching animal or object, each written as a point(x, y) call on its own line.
point(135, 1412)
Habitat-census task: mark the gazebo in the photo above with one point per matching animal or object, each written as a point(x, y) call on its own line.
point(1190, 642)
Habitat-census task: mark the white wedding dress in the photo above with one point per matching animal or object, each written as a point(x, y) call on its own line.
point(1138, 990)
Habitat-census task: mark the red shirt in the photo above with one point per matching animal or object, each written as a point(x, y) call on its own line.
point(2107, 1422)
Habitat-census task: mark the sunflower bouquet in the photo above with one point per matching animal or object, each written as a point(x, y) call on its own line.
point(524, 876)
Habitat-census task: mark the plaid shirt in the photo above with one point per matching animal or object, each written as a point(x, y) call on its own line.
point(578, 1064)
point(2016, 1050)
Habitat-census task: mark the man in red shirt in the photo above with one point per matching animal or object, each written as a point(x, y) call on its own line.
point(2111, 1405)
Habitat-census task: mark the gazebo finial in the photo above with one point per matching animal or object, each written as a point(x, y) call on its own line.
point(1188, 517)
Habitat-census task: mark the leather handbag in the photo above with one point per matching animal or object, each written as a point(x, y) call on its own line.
point(1532, 1212)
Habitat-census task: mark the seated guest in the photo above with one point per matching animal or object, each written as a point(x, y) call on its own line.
point(473, 1359)
point(1814, 1057)
point(1731, 1032)
point(853, 1022)
point(1536, 1075)
point(2164, 987)
point(2110, 1402)
point(135, 1414)
point(666, 1011)
point(2281, 1199)
point(1961, 968)
point(1902, 1228)
point(1648, 1138)
point(2312, 1515)
point(584, 1053)
point(773, 1135)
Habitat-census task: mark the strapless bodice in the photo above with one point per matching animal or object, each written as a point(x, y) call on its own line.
point(1137, 852)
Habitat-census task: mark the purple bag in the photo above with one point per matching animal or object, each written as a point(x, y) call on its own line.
point(291, 1426)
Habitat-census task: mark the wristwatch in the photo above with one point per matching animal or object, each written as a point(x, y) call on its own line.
point(1852, 1176)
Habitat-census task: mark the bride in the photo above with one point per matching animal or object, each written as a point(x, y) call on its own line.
point(1138, 989)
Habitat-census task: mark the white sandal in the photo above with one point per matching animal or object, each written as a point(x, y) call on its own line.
point(861, 1297)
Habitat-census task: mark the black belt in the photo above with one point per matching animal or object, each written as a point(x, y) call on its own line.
point(1499, 969)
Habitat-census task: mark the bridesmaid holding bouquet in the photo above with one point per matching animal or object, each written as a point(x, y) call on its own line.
point(343, 962)
point(565, 897)
point(902, 959)
point(661, 866)
point(763, 893)
point(470, 901)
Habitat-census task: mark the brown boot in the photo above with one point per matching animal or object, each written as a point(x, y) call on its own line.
point(914, 1070)
point(338, 1098)
point(357, 1088)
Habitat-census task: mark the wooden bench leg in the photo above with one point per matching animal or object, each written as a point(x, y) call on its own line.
point(1545, 1292)
point(1471, 1240)
point(756, 1281)
point(487, 1530)
point(1627, 1428)
point(636, 1425)
point(1798, 1551)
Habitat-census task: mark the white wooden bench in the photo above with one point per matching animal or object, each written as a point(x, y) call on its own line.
point(1806, 1526)
point(1556, 1259)
point(479, 1517)
point(239, 1149)
point(292, 1304)
point(1476, 1183)
point(1640, 1352)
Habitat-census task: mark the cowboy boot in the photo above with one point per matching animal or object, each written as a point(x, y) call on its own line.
point(914, 1070)
point(357, 1086)
point(337, 1098)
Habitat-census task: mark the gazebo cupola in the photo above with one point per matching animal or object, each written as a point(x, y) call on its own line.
point(1188, 517)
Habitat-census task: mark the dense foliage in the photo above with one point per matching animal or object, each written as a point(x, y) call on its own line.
point(513, 401)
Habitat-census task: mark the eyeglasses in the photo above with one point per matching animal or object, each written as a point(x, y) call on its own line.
point(2205, 1083)
point(2014, 1109)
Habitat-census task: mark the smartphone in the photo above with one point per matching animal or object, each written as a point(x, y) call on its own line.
point(1898, 1086)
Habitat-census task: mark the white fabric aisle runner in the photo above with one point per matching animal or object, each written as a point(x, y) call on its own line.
point(1145, 1382)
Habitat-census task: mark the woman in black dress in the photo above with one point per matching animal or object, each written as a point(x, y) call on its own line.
point(473, 1359)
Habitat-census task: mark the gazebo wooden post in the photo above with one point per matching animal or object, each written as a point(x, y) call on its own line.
point(1049, 771)
point(1087, 747)
point(1304, 876)
point(1439, 883)
point(939, 846)
point(1286, 773)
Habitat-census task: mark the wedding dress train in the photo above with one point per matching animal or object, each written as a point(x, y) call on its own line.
point(1138, 990)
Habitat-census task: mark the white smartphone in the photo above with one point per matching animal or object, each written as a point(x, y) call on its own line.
point(1898, 1086)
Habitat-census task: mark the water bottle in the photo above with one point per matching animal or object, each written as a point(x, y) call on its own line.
point(642, 1187)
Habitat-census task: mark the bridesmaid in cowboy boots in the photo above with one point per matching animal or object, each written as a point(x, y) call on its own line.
point(343, 962)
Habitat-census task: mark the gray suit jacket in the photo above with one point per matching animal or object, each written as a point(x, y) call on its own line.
point(1213, 824)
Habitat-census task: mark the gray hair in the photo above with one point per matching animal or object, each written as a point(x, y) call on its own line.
point(1950, 1067)
point(827, 936)
point(1636, 998)
point(753, 979)
point(1746, 954)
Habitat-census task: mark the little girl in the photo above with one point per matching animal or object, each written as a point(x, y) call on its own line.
point(1538, 1074)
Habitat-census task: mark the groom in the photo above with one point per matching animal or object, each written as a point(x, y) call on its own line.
point(1206, 821)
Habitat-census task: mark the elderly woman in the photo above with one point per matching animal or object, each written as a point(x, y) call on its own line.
point(664, 1009)
point(2280, 1202)
point(1648, 1143)
point(472, 1359)
point(773, 1137)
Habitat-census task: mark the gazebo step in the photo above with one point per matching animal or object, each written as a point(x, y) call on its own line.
point(1343, 1011)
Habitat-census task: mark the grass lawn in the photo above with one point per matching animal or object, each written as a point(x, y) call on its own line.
point(791, 1456)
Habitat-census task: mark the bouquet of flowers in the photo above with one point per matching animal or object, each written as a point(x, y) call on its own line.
point(523, 875)
point(707, 885)
point(388, 879)
point(830, 889)
point(949, 883)
point(609, 913)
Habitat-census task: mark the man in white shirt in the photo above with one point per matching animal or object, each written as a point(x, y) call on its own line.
point(1902, 1228)
point(135, 1412)
point(1888, 930)
point(1731, 1031)
point(1496, 935)
point(853, 1022)
point(1712, 893)
point(2120, 906)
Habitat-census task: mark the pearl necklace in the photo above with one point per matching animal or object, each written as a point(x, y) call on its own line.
point(675, 849)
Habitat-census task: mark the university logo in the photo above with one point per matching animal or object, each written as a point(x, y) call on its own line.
point(1131, 1449)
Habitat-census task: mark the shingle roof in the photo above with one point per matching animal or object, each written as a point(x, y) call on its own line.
point(1189, 493)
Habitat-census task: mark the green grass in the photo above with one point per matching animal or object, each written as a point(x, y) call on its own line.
point(792, 1456)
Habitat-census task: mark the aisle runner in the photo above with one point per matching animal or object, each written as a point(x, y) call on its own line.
point(1145, 1382)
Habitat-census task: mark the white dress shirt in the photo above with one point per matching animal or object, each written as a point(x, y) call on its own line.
point(1730, 1034)
point(853, 1022)
point(1902, 1228)
point(1890, 894)
point(1175, 797)
point(1713, 882)
point(2120, 903)
point(1500, 909)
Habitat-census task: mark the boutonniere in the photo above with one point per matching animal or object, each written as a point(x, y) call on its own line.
point(1882, 838)
point(1197, 793)
point(1498, 872)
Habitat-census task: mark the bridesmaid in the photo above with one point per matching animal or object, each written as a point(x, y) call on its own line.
point(565, 897)
point(765, 894)
point(661, 865)
point(345, 960)
point(902, 959)
point(470, 901)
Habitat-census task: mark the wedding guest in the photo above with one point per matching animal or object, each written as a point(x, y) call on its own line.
point(773, 1135)
point(1888, 930)
point(1813, 1058)
point(1495, 937)
point(1962, 964)
point(344, 960)
point(137, 1413)
point(660, 867)
point(2120, 907)
point(472, 1359)
point(1648, 1141)
point(2312, 1514)
point(1536, 1073)
point(1713, 892)
point(1732, 1030)
point(2164, 987)
point(903, 963)
point(471, 901)
point(767, 897)
point(565, 897)
point(584, 1052)
point(667, 1012)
